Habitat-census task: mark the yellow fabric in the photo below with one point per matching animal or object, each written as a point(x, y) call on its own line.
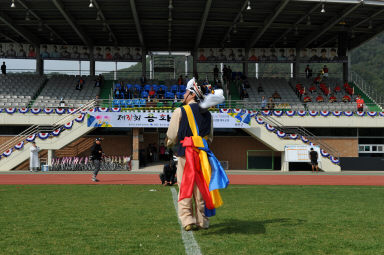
point(204, 162)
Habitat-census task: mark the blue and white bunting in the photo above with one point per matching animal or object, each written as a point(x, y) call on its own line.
point(221, 110)
point(259, 120)
point(324, 153)
point(313, 113)
point(48, 110)
point(60, 111)
point(293, 136)
point(10, 110)
point(304, 139)
point(237, 110)
point(43, 136)
point(324, 113)
point(372, 114)
point(80, 118)
point(278, 113)
point(19, 146)
point(102, 109)
point(71, 111)
point(301, 113)
point(91, 110)
point(360, 113)
point(31, 138)
point(269, 127)
point(266, 112)
point(381, 114)
point(23, 110)
point(336, 113)
point(290, 113)
point(348, 113)
point(56, 132)
point(334, 160)
point(1, 109)
point(68, 125)
point(83, 111)
point(7, 153)
point(117, 109)
point(280, 134)
point(35, 110)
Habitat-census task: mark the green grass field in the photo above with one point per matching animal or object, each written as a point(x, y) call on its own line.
point(131, 219)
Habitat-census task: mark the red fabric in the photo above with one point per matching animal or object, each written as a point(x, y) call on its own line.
point(298, 86)
point(346, 97)
point(319, 99)
point(317, 79)
point(151, 92)
point(325, 70)
point(193, 175)
point(307, 99)
point(337, 88)
point(301, 91)
point(313, 88)
point(332, 98)
point(346, 85)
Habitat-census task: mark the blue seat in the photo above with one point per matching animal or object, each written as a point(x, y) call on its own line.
point(179, 95)
point(147, 87)
point(169, 95)
point(138, 87)
point(182, 88)
point(220, 106)
point(142, 102)
point(128, 86)
point(174, 88)
point(122, 103)
point(163, 87)
point(155, 87)
point(117, 86)
point(144, 94)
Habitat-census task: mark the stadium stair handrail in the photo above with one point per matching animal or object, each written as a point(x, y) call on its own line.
point(35, 129)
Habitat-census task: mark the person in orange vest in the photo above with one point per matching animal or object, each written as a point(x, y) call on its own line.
point(360, 103)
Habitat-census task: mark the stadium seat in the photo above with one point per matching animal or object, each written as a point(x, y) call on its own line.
point(116, 103)
point(182, 88)
point(147, 87)
point(169, 95)
point(142, 102)
point(144, 94)
point(163, 87)
point(180, 95)
point(136, 102)
point(174, 88)
point(155, 87)
point(128, 102)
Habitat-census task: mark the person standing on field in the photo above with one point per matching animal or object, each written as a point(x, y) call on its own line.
point(34, 162)
point(96, 156)
point(313, 155)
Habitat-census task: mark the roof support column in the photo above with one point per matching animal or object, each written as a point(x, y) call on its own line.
point(194, 64)
point(92, 63)
point(296, 64)
point(135, 149)
point(39, 61)
point(144, 62)
point(245, 64)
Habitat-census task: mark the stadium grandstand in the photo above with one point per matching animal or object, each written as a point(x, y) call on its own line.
point(284, 67)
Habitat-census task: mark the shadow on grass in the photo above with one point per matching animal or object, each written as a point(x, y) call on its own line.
point(236, 226)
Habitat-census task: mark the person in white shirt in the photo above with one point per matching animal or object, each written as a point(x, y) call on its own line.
point(34, 162)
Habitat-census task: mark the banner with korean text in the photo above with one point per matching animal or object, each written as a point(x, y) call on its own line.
point(154, 120)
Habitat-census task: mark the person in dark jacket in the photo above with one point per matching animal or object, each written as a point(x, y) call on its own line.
point(313, 155)
point(168, 177)
point(96, 156)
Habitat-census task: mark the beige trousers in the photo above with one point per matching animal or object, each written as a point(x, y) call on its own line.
point(185, 207)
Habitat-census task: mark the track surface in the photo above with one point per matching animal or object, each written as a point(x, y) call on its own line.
point(38, 178)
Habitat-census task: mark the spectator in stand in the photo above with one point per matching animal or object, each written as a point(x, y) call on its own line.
point(323, 56)
point(307, 71)
point(3, 69)
point(62, 103)
point(307, 98)
point(186, 79)
point(346, 99)
point(180, 80)
point(136, 93)
point(143, 80)
point(118, 94)
point(126, 92)
point(332, 98)
point(317, 80)
point(98, 81)
point(31, 52)
point(260, 89)
point(276, 95)
point(160, 93)
point(162, 152)
point(271, 104)
point(253, 56)
point(225, 70)
point(313, 88)
point(202, 57)
point(319, 98)
point(97, 101)
point(215, 72)
point(229, 73)
point(325, 71)
point(337, 89)
point(360, 103)
point(80, 84)
point(263, 102)
point(243, 94)
point(152, 93)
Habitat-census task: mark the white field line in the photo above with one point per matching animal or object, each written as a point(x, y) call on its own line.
point(190, 244)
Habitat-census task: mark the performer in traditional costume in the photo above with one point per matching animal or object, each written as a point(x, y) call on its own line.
point(199, 173)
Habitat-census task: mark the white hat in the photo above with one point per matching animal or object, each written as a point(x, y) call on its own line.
point(194, 88)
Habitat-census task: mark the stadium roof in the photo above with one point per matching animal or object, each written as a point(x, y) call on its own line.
point(186, 25)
